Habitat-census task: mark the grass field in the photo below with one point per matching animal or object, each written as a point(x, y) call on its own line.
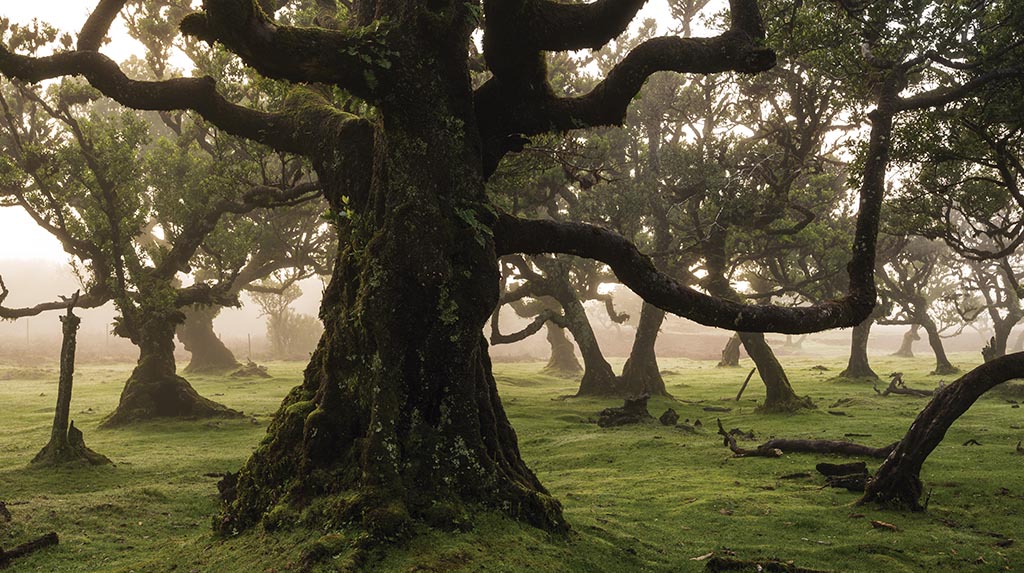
point(639, 498)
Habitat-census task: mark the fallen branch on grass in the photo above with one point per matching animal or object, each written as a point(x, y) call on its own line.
point(897, 386)
point(781, 445)
point(745, 382)
point(25, 548)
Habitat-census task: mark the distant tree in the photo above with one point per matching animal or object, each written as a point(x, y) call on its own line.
point(291, 335)
point(918, 280)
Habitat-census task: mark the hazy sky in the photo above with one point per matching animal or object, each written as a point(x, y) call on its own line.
point(20, 237)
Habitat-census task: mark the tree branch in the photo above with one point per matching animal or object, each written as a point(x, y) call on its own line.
point(91, 299)
point(199, 94)
point(307, 55)
point(98, 24)
point(636, 271)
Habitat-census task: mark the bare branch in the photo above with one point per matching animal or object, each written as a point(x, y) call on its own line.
point(279, 131)
point(636, 271)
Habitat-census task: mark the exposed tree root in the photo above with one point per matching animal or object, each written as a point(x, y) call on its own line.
point(70, 451)
point(25, 548)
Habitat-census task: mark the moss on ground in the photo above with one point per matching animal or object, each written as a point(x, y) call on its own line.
point(640, 498)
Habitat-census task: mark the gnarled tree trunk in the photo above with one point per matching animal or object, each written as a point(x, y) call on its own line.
point(897, 483)
point(598, 376)
point(641, 374)
point(563, 361)
point(154, 390)
point(398, 415)
point(906, 349)
point(198, 337)
point(942, 363)
point(731, 352)
point(858, 366)
point(780, 396)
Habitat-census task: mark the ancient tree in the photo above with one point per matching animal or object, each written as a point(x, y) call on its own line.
point(398, 415)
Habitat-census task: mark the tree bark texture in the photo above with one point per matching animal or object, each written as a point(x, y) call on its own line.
point(66, 442)
point(858, 366)
point(897, 483)
point(209, 354)
point(398, 415)
point(641, 374)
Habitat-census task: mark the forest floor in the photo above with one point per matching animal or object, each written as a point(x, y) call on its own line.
point(639, 498)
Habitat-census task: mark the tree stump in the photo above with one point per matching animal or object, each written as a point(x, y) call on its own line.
point(632, 411)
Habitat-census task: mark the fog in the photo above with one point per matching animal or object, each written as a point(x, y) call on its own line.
point(38, 337)
point(33, 282)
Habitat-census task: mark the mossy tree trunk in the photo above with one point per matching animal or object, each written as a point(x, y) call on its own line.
point(398, 415)
point(906, 349)
point(154, 390)
point(897, 483)
point(858, 365)
point(209, 354)
point(563, 361)
point(641, 374)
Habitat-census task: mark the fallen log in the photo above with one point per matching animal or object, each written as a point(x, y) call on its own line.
point(761, 451)
point(781, 445)
point(25, 548)
point(852, 476)
point(717, 563)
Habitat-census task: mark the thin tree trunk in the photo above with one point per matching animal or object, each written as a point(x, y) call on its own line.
point(641, 374)
point(598, 376)
point(209, 354)
point(563, 361)
point(897, 483)
point(858, 366)
point(780, 396)
point(906, 349)
point(942, 364)
point(66, 442)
